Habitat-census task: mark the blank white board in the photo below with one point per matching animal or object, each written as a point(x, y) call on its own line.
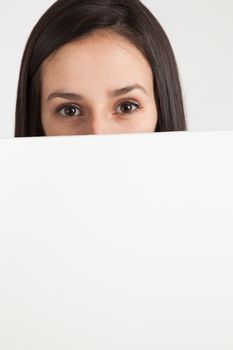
point(117, 242)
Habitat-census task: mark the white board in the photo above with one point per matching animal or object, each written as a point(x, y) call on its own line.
point(117, 242)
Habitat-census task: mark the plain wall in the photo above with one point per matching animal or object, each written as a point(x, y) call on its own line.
point(200, 32)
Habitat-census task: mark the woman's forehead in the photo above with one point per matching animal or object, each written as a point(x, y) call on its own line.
point(96, 55)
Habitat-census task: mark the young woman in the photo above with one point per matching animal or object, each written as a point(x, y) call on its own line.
point(98, 67)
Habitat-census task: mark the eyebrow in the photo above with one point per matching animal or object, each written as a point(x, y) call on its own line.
point(115, 93)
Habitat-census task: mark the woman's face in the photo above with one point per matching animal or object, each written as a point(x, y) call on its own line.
point(100, 84)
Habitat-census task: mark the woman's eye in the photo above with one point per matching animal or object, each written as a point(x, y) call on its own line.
point(73, 111)
point(128, 107)
point(69, 111)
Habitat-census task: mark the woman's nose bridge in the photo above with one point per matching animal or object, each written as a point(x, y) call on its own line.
point(99, 120)
point(97, 126)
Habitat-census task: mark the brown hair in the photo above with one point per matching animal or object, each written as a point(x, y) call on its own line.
point(68, 20)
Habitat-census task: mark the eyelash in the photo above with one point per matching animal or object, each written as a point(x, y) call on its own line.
point(129, 100)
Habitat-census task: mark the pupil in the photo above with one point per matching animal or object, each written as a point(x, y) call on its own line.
point(70, 111)
point(126, 107)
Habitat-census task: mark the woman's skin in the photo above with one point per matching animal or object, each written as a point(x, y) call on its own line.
point(94, 67)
